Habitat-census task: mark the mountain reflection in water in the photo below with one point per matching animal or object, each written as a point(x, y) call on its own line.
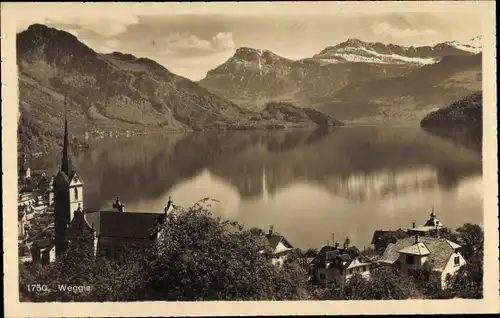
point(308, 184)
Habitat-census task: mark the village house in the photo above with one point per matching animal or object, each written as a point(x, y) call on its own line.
point(24, 170)
point(433, 227)
point(280, 246)
point(383, 237)
point(334, 264)
point(411, 253)
point(43, 251)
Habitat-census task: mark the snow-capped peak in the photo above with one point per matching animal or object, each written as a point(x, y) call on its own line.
point(355, 50)
point(473, 45)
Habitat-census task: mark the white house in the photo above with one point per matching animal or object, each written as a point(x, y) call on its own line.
point(411, 253)
point(280, 246)
point(336, 264)
point(43, 251)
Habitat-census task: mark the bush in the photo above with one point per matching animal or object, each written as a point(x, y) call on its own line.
point(197, 257)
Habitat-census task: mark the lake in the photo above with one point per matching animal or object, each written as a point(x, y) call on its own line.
point(308, 184)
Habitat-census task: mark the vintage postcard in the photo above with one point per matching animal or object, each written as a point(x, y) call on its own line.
point(291, 158)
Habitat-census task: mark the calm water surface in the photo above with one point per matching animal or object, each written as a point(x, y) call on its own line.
point(307, 183)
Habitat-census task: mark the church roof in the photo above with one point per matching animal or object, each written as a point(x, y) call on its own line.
point(134, 225)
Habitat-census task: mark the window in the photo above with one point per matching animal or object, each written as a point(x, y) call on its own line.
point(457, 260)
point(410, 260)
point(322, 276)
point(76, 193)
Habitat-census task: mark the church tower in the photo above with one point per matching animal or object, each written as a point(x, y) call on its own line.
point(75, 193)
point(68, 193)
point(66, 165)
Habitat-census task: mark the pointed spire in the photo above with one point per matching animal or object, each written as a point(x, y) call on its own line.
point(433, 215)
point(66, 160)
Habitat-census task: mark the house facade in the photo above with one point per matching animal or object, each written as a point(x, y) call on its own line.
point(280, 246)
point(337, 265)
point(43, 251)
point(412, 253)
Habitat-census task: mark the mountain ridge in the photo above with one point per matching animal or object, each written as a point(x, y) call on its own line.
point(113, 91)
point(258, 77)
point(460, 121)
point(355, 50)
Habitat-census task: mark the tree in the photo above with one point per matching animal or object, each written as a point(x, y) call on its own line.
point(200, 257)
point(466, 283)
point(384, 283)
point(196, 257)
point(471, 237)
point(107, 280)
point(468, 280)
point(428, 281)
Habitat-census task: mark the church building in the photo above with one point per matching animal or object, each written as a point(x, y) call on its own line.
point(68, 195)
point(114, 231)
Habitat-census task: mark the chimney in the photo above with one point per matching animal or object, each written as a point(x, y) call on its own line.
point(413, 224)
point(417, 240)
point(333, 238)
point(271, 230)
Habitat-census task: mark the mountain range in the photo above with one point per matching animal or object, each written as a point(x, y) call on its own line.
point(116, 92)
point(354, 80)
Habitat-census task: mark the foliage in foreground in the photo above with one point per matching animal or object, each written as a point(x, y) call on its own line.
point(199, 257)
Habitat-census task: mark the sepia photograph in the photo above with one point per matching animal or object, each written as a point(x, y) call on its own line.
point(204, 152)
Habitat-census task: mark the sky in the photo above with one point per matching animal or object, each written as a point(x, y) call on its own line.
point(192, 44)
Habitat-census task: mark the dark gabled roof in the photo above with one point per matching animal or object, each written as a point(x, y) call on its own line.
point(136, 225)
point(276, 238)
point(440, 250)
point(330, 253)
point(399, 234)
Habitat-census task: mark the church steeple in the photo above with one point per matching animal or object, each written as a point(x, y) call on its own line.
point(66, 166)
